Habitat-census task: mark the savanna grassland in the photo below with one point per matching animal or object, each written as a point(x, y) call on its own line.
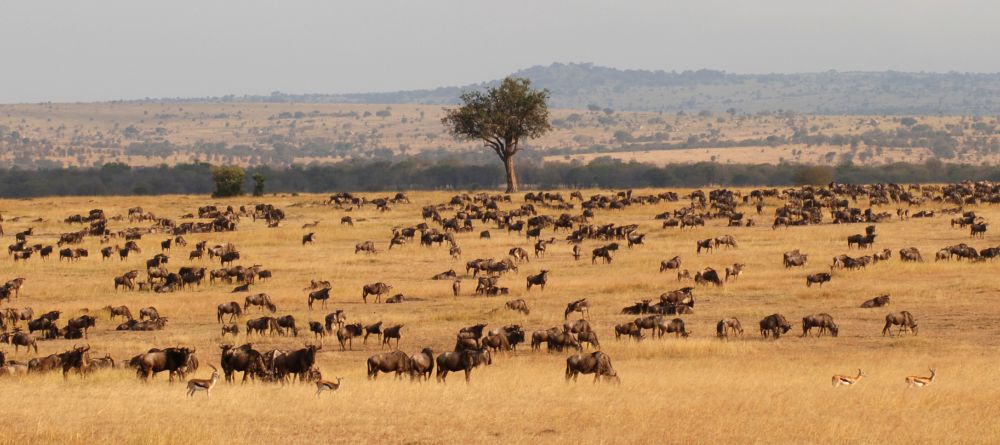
point(695, 390)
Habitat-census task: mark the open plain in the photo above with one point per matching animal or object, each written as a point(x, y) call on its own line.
point(698, 389)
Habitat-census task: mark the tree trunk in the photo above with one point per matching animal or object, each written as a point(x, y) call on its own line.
point(508, 163)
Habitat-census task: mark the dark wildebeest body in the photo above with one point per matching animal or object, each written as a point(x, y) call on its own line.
point(232, 308)
point(822, 321)
point(243, 359)
point(879, 301)
point(376, 289)
point(260, 300)
point(538, 280)
point(173, 360)
point(296, 363)
point(259, 325)
point(818, 278)
point(287, 322)
point(464, 360)
point(322, 295)
point(19, 339)
point(422, 364)
point(774, 325)
point(905, 321)
point(597, 363)
point(727, 325)
point(82, 323)
point(347, 334)
point(390, 333)
point(395, 361)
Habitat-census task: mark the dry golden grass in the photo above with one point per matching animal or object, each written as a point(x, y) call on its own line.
point(673, 390)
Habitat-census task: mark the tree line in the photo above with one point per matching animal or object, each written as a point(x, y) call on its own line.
point(414, 174)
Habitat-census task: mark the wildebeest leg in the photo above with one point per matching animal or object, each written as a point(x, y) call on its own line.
point(468, 372)
point(886, 329)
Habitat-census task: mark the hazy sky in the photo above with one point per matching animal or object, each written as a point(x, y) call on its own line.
point(72, 50)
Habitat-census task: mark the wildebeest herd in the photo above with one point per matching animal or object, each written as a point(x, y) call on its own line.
point(254, 314)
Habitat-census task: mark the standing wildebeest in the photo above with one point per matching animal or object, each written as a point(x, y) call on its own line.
point(709, 275)
point(322, 294)
point(317, 329)
point(422, 364)
point(18, 339)
point(597, 363)
point(676, 327)
point(673, 263)
point(456, 287)
point(862, 241)
point(228, 258)
point(119, 311)
point(538, 280)
point(590, 338)
point(395, 361)
point(76, 358)
point(905, 321)
point(149, 312)
point(296, 363)
point(630, 329)
point(243, 359)
point(727, 325)
point(978, 229)
point(795, 259)
point(879, 301)
point(367, 247)
point(774, 325)
point(603, 253)
point(539, 337)
point(259, 325)
point(705, 244)
point(518, 305)
point(561, 340)
point(580, 306)
point(335, 318)
point(308, 238)
point(819, 278)
point(232, 308)
point(261, 300)
point(287, 322)
point(82, 323)
point(376, 289)
point(373, 329)
point(390, 333)
point(910, 254)
point(463, 360)
point(173, 360)
point(347, 334)
point(734, 271)
point(822, 321)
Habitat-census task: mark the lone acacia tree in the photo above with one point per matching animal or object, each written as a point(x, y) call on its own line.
point(501, 118)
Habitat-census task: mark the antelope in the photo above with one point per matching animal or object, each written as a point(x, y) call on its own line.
point(195, 385)
point(920, 382)
point(847, 380)
point(326, 385)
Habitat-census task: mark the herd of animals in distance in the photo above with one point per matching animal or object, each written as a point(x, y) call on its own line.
point(547, 219)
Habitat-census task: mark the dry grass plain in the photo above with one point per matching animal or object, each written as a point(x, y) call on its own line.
point(698, 390)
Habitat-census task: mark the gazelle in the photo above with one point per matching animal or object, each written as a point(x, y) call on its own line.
point(195, 385)
point(326, 385)
point(848, 380)
point(920, 382)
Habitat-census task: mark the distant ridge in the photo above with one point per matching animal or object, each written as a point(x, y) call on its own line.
point(579, 85)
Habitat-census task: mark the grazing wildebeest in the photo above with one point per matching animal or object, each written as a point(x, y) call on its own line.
point(232, 308)
point(597, 363)
point(422, 364)
point(774, 325)
point(910, 254)
point(727, 325)
point(308, 238)
point(978, 229)
point(581, 306)
point(367, 247)
point(604, 253)
point(259, 325)
point(538, 280)
point(287, 322)
point(734, 271)
point(173, 360)
point(819, 278)
point(463, 360)
point(335, 318)
point(228, 258)
point(589, 338)
point(76, 358)
point(119, 311)
point(296, 363)
point(243, 359)
point(706, 276)
point(373, 329)
point(795, 259)
point(862, 241)
point(395, 361)
point(149, 312)
point(673, 263)
point(347, 334)
point(390, 333)
point(705, 244)
point(539, 337)
point(376, 289)
point(82, 323)
point(518, 305)
point(879, 301)
point(519, 254)
point(905, 321)
point(260, 300)
point(822, 321)
point(322, 295)
point(561, 340)
point(232, 329)
point(676, 327)
point(18, 339)
point(630, 329)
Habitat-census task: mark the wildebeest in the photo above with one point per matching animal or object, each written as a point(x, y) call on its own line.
point(581, 306)
point(597, 363)
point(395, 361)
point(259, 325)
point(18, 339)
point(727, 325)
point(706, 276)
point(422, 364)
point(149, 312)
point(287, 322)
point(308, 238)
point(295, 363)
point(335, 318)
point(367, 247)
point(705, 244)
point(822, 321)
point(774, 325)
point(558, 341)
point(232, 308)
point(260, 300)
point(539, 337)
point(538, 280)
point(978, 229)
point(243, 359)
point(376, 289)
point(630, 329)
point(818, 278)
point(861, 241)
point(905, 321)
point(590, 338)
point(317, 329)
point(673, 263)
point(734, 271)
point(82, 323)
point(390, 333)
point(119, 311)
point(464, 360)
point(795, 259)
point(173, 360)
point(446, 275)
point(676, 327)
point(347, 333)
point(604, 253)
point(322, 295)
point(518, 305)
point(77, 358)
point(879, 301)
